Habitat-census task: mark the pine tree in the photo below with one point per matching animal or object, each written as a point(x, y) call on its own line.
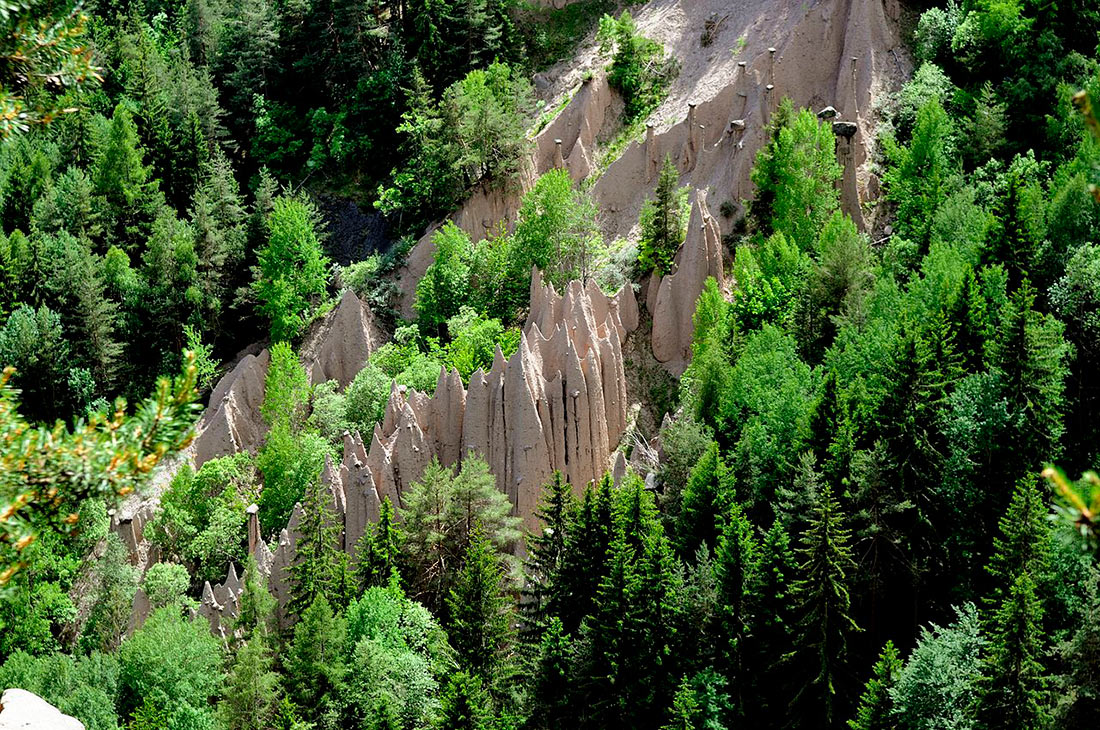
point(1022, 545)
point(545, 555)
point(822, 603)
point(480, 614)
point(876, 704)
point(256, 605)
point(662, 222)
point(706, 502)
point(251, 697)
point(736, 564)
point(1013, 690)
point(314, 572)
point(314, 662)
point(552, 686)
point(378, 555)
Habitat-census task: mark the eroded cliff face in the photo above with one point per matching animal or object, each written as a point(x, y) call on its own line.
point(558, 403)
point(335, 349)
point(839, 53)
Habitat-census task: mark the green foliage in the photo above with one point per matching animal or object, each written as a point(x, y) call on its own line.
point(664, 220)
point(317, 566)
point(876, 704)
point(289, 465)
point(444, 286)
point(399, 655)
point(286, 390)
point(640, 70)
point(174, 664)
point(795, 176)
point(440, 513)
point(165, 584)
point(292, 268)
point(201, 521)
point(103, 457)
point(937, 686)
point(85, 687)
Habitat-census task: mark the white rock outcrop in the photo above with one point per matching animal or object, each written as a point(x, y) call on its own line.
point(23, 710)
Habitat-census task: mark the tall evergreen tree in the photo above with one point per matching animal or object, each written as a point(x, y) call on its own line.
point(480, 615)
point(585, 558)
point(1023, 543)
point(314, 661)
point(552, 689)
point(378, 555)
point(705, 504)
point(823, 603)
point(315, 569)
point(662, 222)
point(545, 555)
point(876, 704)
point(736, 565)
point(1014, 688)
point(251, 695)
point(1031, 353)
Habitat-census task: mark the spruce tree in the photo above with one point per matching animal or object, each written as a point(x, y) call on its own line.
point(1014, 687)
point(773, 628)
point(876, 704)
point(736, 564)
point(1031, 354)
point(705, 503)
point(822, 602)
point(480, 614)
point(315, 569)
point(256, 612)
point(545, 552)
point(314, 662)
point(552, 684)
point(1022, 546)
point(585, 558)
point(465, 704)
point(684, 708)
point(662, 222)
point(250, 699)
point(378, 553)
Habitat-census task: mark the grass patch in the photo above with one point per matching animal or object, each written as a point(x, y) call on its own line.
point(553, 35)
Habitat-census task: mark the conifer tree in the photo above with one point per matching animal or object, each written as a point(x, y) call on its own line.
point(1022, 545)
point(256, 605)
point(684, 708)
point(122, 179)
point(662, 222)
point(545, 554)
point(314, 662)
point(466, 704)
point(822, 602)
point(251, 697)
point(876, 703)
point(378, 555)
point(736, 563)
point(315, 569)
point(772, 629)
point(1031, 353)
point(480, 614)
point(585, 557)
point(1013, 690)
point(552, 685)
point(706, 502)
